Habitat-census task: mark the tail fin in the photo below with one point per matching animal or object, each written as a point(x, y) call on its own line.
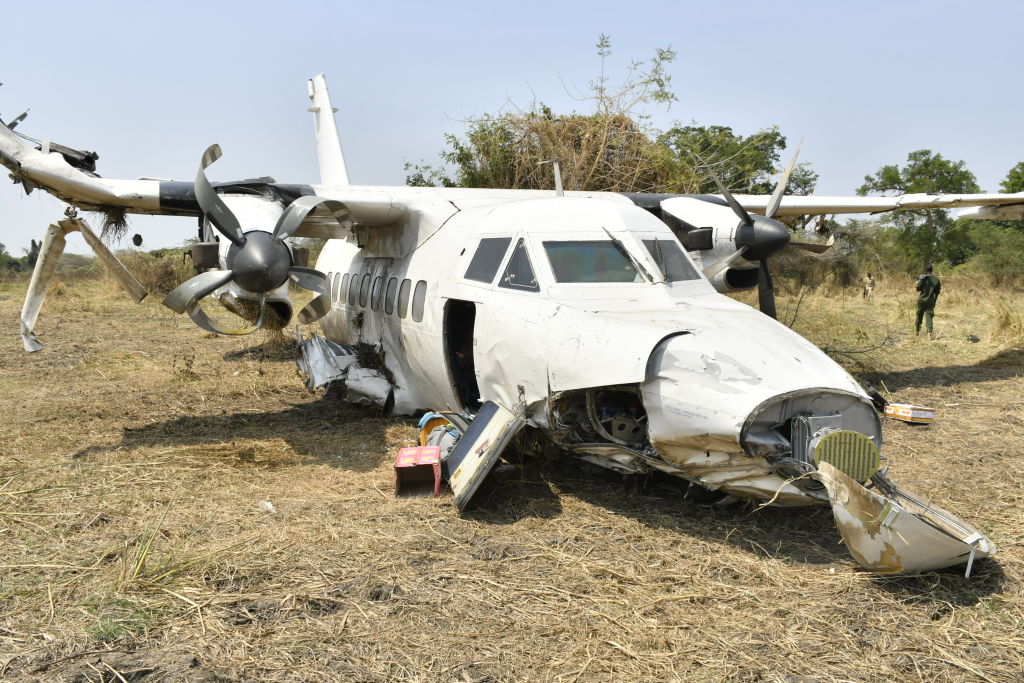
point(328, 146)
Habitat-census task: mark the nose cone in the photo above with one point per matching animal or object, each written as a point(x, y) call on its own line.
point(261, 264)
point(763, 238)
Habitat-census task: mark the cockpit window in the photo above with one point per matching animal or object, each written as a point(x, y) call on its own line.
point(519, 271)
point(591, 261)
point(487, 258)
point(670, 259)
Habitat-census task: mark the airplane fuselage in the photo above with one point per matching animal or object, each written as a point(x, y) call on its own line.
point(510, 301)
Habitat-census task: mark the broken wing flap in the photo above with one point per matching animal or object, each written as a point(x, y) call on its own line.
point(891, 532)
point(476, 453)
point(46, 266)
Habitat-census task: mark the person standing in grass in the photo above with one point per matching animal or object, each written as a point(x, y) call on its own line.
point(928, 287)
point(869, 285)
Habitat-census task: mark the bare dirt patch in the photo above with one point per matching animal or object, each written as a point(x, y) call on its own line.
point(137, 451)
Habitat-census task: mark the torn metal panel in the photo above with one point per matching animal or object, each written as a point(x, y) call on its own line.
point(325, 362)
point(367, 386)
point(322, 361)
point(895, 533)
point(477, 451)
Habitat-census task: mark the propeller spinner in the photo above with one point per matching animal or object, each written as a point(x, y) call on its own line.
point(257, 261)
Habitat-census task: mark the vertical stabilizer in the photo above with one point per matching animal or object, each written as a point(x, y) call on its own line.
point(328, 146)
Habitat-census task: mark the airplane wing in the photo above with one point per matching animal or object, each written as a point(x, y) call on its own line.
point(63, 174)
point(815, 205)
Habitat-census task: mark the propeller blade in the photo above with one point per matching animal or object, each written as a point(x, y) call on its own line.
point(185, 295)
point(200, 318)
point(213, 207)
point(776, 201)
point(720, 265)
point(814, 247)
point(315, 309)
point(310, 278)
point(314, 281)
point(297, 211)
point(766, 290)
point(736, 207)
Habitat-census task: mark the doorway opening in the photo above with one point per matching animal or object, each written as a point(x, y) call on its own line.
point(459, 321)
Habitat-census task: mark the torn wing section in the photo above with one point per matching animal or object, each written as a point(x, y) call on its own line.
point(50, 170)
point(891, 532)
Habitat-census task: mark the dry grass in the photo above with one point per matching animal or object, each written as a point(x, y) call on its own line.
point(137, 451)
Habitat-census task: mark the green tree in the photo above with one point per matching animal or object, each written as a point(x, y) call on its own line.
point(609, 148)
point(612, 148)
point(922, 232)
point(8, 263)
point(745, 164)
point(1014, 181)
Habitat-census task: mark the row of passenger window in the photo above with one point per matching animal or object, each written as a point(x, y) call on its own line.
point(365, 291)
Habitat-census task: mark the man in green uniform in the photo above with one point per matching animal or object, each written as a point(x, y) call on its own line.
point(929, 287)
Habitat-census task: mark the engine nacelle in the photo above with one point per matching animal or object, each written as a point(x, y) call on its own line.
point(735, 279)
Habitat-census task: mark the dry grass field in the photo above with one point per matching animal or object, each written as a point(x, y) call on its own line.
point(138, 455)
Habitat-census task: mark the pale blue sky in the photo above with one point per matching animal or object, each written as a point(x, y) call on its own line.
point(149, 86)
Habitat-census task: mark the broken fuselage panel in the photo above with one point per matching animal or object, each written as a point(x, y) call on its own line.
point(588, 316)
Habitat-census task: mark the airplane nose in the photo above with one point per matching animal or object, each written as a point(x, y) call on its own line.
point(726, 411)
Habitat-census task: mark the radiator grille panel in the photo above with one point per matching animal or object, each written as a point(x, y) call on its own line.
point(852, 453)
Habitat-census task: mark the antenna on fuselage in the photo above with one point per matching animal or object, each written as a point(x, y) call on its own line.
point(558, 176)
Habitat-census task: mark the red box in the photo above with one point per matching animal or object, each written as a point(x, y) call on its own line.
point(418, 472)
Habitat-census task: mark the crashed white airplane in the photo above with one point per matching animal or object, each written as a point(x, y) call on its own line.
point(595, 319)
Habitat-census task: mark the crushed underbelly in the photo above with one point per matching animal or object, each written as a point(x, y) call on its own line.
point(742, 476)
point(825, 461)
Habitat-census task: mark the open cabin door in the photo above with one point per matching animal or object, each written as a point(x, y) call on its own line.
point(459, 335)
point(476, 453)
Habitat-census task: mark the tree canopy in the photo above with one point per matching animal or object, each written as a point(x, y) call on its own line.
point(612, 147)
point(924, 235)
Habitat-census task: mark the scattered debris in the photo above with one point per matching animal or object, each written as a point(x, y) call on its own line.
point(910, 413)
point(418, 472)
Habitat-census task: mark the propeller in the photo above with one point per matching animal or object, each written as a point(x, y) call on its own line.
point(758, 237)
point(257, 261)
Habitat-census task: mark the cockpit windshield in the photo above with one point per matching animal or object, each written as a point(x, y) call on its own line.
point(670, 259)
point(590, 261)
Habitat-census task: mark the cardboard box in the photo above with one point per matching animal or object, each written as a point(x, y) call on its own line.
point(910, 413)
point(418, 472)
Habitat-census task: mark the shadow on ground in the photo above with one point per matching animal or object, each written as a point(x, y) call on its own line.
point(326, 428)
point(805, 535)
point(1003, 365)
